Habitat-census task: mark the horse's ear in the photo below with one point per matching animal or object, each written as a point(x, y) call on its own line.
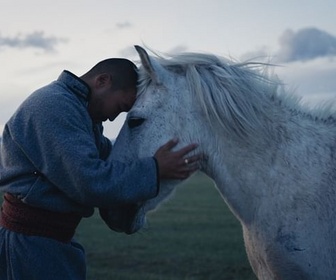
point(150, 66)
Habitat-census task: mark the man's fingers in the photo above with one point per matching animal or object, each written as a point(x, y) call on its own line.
point(170, 144)
point(177, 164)
point(192, 159)
point(192, 168)
point(185, 173)
point(187, 149)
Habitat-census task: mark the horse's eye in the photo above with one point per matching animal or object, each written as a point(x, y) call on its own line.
point(134, 122)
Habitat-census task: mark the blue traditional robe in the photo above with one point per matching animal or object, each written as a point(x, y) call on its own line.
point(54, 157)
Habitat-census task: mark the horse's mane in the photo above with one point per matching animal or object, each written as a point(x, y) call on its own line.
point(230, 93)
point(234, 95)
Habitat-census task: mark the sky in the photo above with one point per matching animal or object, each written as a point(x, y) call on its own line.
point(39, 39)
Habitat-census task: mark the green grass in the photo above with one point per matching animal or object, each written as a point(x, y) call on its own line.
point(192, 236)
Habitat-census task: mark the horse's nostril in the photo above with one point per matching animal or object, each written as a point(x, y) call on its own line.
point(134, 122)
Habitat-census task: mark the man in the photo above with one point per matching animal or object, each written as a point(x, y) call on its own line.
point(55, 169)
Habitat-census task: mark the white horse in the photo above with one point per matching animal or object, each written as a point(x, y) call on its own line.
point(272, 160)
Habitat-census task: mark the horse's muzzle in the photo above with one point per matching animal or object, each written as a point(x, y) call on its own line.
point(123, 218)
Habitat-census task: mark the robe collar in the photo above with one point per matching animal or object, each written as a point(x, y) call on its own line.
point(75, 85)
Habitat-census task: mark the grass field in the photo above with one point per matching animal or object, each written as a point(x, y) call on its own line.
point(192, 236)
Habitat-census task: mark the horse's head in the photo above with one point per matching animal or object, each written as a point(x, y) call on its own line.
point(163, 110)
point(197, 98)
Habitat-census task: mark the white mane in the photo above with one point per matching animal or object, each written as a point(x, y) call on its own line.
point(234, 95)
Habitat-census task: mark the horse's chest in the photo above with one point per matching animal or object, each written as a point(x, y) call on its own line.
point(276, 256)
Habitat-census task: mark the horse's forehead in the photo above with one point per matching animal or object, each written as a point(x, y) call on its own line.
point(168, 89)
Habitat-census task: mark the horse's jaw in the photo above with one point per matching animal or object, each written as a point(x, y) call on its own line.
point(139, 222)
point(167, 189)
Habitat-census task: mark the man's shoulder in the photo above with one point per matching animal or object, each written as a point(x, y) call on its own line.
point(54, 97)
point(54, 92)
point(50, 106)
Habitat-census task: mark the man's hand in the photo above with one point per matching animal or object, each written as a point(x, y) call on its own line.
point(176, 165)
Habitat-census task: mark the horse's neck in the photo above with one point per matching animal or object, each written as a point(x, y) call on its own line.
point(246, 174)
point(230, 168)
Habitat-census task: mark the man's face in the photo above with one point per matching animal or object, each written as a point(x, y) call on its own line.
point(107, 104)
point(117, 102)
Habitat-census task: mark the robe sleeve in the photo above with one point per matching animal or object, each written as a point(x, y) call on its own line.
point(56, 135)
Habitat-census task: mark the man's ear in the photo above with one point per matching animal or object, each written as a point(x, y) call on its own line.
point(102, 80)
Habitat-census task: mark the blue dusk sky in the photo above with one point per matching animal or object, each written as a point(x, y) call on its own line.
point(39, 39)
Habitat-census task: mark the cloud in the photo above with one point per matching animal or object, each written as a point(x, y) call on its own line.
point(123, 25)
point(36, 40)
point(305, 44)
